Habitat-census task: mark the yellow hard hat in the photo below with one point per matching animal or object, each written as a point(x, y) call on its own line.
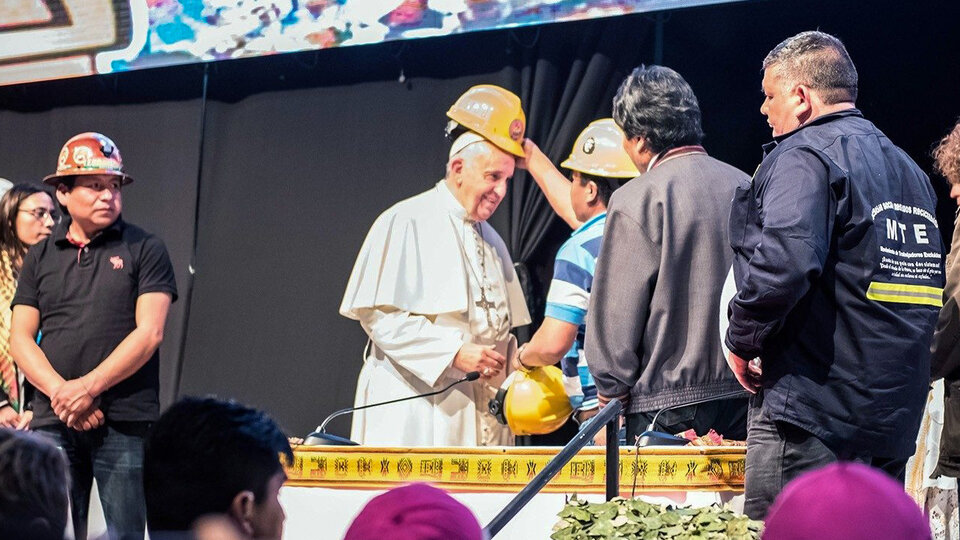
point(495, 114)
point(599, 152)
point(536, 402)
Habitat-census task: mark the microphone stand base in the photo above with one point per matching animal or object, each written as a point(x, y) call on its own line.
point(658, 438)
point(326, 439)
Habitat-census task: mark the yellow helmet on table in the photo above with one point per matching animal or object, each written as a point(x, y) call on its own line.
point(599, 151)
point(493, 113)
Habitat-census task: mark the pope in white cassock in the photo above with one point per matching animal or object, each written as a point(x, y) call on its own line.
point(435, 290)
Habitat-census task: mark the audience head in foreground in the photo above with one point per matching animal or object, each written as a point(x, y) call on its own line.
point(33, 477)
point(414, 512)
point(207, 456)
point(848, 501)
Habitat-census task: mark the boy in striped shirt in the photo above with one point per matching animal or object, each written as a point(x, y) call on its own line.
point(599, 165)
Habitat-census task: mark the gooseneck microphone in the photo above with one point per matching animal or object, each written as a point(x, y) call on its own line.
point(659, 438)
point(320, 437)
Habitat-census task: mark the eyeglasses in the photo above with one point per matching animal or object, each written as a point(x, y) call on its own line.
point(41, 214)
point(98, 185)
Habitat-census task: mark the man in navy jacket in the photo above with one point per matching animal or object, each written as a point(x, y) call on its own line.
point(838, 263)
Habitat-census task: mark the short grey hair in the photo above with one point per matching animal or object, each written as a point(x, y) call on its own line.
point(470, 152)
point(818, 60)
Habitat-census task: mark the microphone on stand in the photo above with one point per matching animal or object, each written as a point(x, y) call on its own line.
point(658, 438)
point(322, 438)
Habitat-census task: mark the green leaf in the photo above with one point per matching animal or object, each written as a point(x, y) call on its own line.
point(606, 511)
point(603, 529)
point(715, 526)
point(633, 517)
point(670, 517)
point(577, 513)
point(653, 522)
point(637, 519)
point(737, 525)
point(641, 507)
point(672, 531)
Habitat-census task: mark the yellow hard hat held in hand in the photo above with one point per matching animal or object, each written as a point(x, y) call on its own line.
point(534, 402)
point(599, 152)
point(493, 113)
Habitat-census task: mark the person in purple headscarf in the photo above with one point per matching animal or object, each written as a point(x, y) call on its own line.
point(414, 512)
point(847, 501)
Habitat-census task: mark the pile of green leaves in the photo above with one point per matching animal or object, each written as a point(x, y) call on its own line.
point(633, 518)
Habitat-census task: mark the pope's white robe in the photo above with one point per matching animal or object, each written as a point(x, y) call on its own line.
point(414, 289)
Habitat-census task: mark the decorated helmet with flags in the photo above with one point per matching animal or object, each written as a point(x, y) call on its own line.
point(493, 113)
point(599, 152)
point(88, 153)
point(533, 402)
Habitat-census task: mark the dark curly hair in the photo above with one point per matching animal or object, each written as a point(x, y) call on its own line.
point(657, 104)
point(946, 156)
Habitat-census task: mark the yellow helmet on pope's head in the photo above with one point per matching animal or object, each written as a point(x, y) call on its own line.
point(599, 151)
point(493, 113)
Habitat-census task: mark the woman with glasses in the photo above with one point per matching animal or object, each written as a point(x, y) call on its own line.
point(27, 216)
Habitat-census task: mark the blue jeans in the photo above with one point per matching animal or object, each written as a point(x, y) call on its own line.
point(113, 454)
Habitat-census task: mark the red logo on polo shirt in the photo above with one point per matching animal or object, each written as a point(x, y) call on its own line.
point(117, 262)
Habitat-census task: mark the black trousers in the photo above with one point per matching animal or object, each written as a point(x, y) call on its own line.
point(778, 452)
point(560, 437)
point(728, 417)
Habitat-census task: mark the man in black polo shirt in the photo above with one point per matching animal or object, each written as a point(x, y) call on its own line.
point(98, 290)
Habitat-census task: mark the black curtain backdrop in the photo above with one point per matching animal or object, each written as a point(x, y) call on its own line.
point(301, 152)
point(566, 80)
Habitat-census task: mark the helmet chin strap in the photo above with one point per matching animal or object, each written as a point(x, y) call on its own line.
point(496, 405)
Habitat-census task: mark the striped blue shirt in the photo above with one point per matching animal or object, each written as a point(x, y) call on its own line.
point(568, 299)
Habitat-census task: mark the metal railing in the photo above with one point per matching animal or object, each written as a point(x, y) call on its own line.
point(608, 417)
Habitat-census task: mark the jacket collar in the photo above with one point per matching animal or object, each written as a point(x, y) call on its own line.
point(675, 152)
point(815, 122)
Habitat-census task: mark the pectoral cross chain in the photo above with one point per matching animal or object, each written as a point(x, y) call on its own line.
point(486, 305)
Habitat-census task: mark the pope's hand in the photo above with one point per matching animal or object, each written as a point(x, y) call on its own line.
point(482, 358)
